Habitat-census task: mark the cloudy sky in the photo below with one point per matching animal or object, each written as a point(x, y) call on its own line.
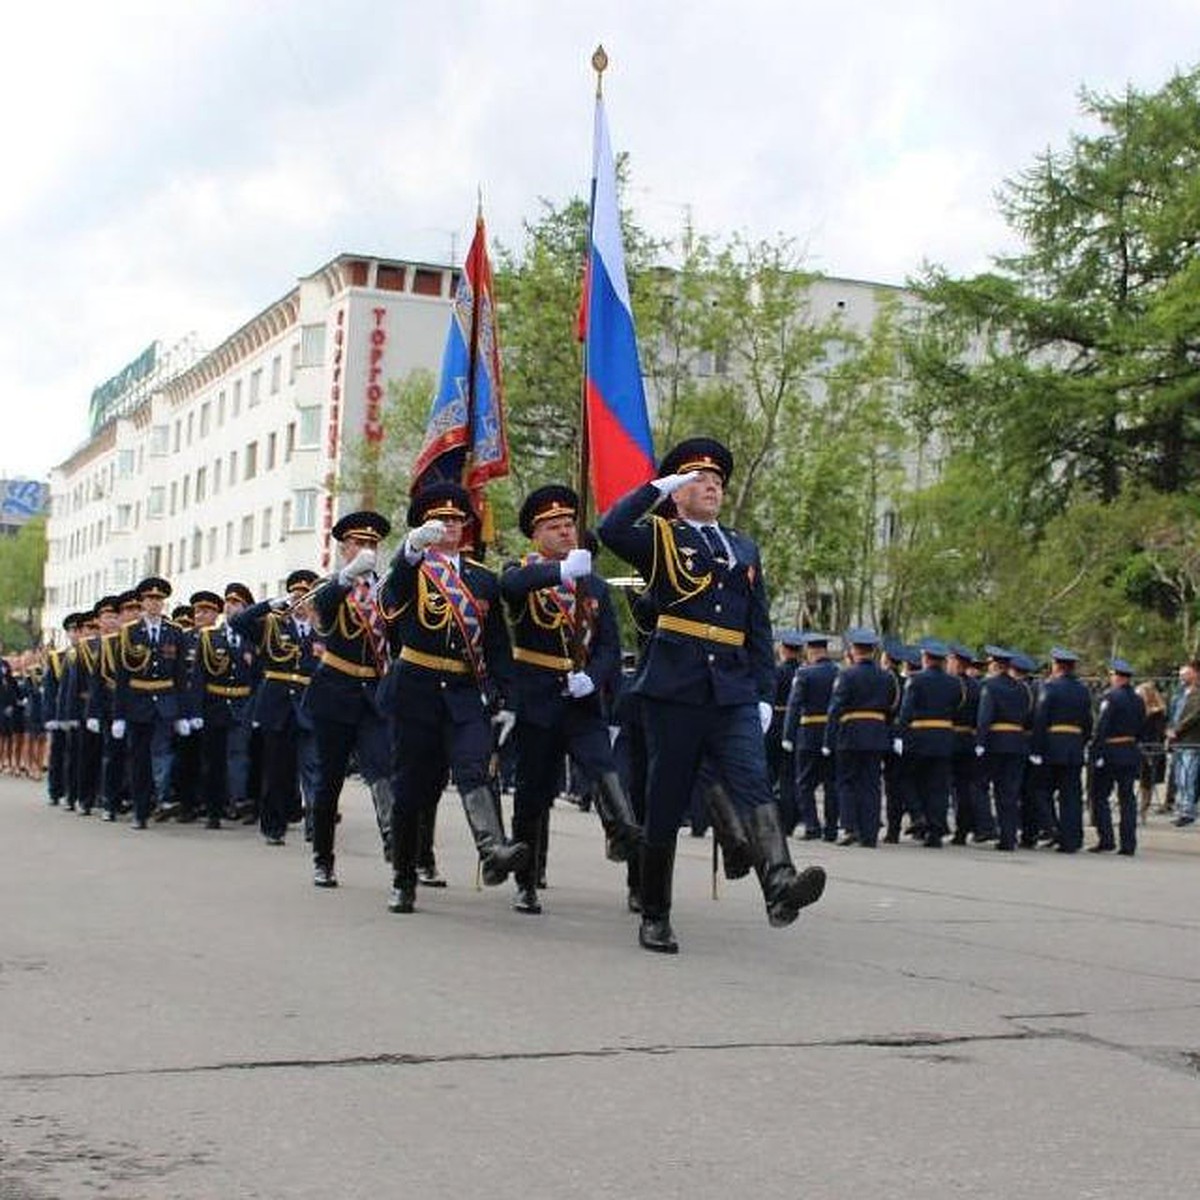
point(174, 167)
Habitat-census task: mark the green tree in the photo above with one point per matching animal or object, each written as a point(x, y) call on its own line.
point(22, 565)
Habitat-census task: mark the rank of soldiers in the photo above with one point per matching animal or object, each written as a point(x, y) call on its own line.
point(433, 669)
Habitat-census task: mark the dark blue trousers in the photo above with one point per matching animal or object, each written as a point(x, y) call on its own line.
point(1103, 779)
point(860, 775)
point(1062, 781)
point(1006, 772)
point(815, 770)
point(929, 777)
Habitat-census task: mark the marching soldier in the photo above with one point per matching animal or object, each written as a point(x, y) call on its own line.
point(113, 787)
point(925, 736)
point(454, 671)
point(56, 766)
point(281, 630)
point(1062, 727)
point(84, 745)
point(340, 700)
point(566, 651)
point(972, 808)
point(244, 667)
point(781, 763)
point(804, 730)
point(863, 696)
point(151, 698)
point(1001, 740)
point(1116, 758)
point(708, 681)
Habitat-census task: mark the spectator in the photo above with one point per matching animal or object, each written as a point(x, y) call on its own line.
point(1183, 736)
point(1154, 755)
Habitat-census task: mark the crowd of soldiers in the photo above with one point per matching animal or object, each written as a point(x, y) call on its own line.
point(427, 669)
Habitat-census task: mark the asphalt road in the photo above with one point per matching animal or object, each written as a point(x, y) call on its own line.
point(183, 1015)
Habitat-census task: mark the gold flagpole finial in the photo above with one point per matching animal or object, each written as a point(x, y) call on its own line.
point(599, 65)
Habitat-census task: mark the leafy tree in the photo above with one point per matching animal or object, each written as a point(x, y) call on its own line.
point(22, 563)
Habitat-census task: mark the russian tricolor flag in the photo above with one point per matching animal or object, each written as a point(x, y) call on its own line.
point(620, 445)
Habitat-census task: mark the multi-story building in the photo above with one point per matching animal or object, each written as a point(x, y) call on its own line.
point(206, 469)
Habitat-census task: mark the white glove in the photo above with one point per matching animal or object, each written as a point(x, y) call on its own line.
point(280, 603)
point(898, 747)
point(577, 564)
point(117, 729)
point(764, 715)
point(360, 564)
point(1099, 764)
point(504, 721)
point(979, 751)
point(51, 725)
point(183, 727)
point(580, 683)
point(1036, 759)
point(197, 722)
point(426, 535)
point(669, 484)
point(788, 746)
point(826, 752)
point(93, 724)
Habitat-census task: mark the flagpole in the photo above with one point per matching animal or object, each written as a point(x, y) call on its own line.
point(472, 366)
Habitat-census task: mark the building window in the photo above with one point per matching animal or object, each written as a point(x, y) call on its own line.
point(182, 554)
point(153, 560)
point(212, 543)
point(190, 426)
point(255, 387)
point(160, 439)
point(237, 398)
point(220, 409)
point(156, 501)
point(272, 439)
point(170, 557)
point(201, 483)
point(293, 362)
point(228, 539)
point(312, 345)
point(304, 509)
point(174, 496)
point(217, 464)
point(205, 418)
point(197, 548)
point(247, 542)
point(251, 460)
point(389, 279)
point(233, 475)
point(125, 464)
point(427, 283)
point(276, 373)
point(285, 519)
point(264, 532)
point(289, 441)
point(124, 516)
point(176, 438)
point(187, 491)
point(310, 427)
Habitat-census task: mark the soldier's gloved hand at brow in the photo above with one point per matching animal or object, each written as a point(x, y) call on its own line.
point(765, 712)
point(183, 727)
point(580, 684)
point(426, 535)
point(360, 564)
point(93, 724)
point(280, 603)
point(117, 729)
point(576, 565)
point(669, 484)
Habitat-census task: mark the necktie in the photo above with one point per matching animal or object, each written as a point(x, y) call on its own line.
point(712, 539)
point(153, 635)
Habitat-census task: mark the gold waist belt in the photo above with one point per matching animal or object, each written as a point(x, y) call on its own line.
point(862, 714)
point(814, 719)
point(930, 723)
point(433, 662)
point(698, 629)
point(964, 729)
point(1007, 727)
point(552, 662)
point(347, 667)
point(286, 677)
point(1066, 729)
point(151, 685)
point(230, 693)
point(1120, 741)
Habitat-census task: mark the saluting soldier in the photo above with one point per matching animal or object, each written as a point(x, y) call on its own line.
point(566, 650)
point(863, 696)
point(708, 680)
point(1062, 727)
point(151, 699)
point(454, 673)
point(925, 735)
point(281, 630)
point(1002, 740)
point(1117, 757)
point(341, 699)
point(804, 732)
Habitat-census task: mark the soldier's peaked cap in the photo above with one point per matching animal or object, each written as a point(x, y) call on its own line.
point(153, 586)
point(443, 499)
point(301, 580)
point(239, 591)
point(365, 525)
point(205, 599)
point(545, 503)
point(698, 454)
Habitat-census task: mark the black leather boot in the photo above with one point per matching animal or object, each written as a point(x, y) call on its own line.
point(381, 797)
point(623, 834)
point(404, 836)
point(784, 891)
point(528, 832)
point(497, 856)
point(658, 868)
point(737, 854)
